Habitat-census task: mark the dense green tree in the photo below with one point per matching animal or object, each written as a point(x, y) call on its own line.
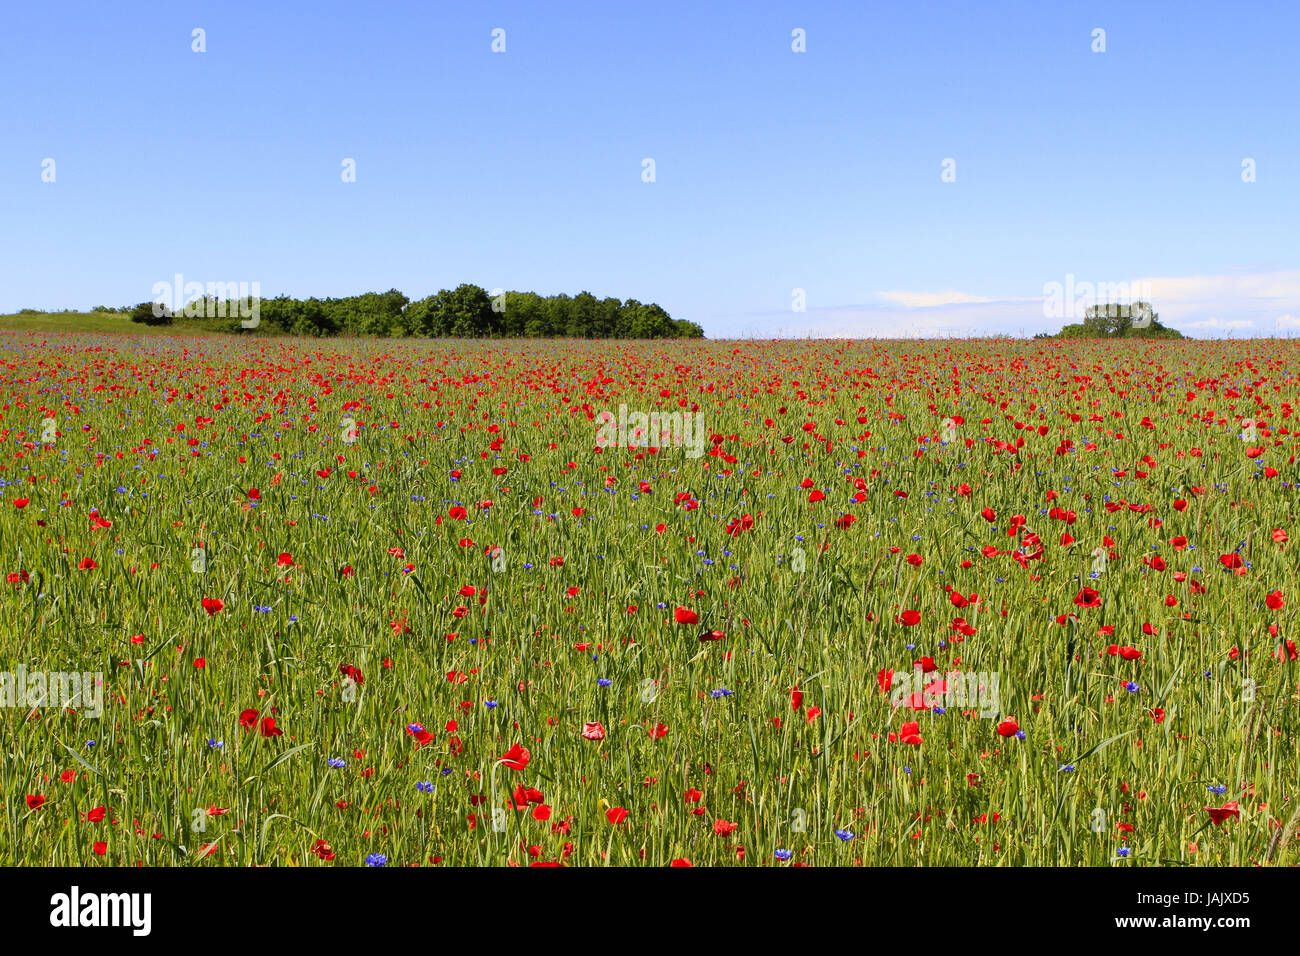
point(1136, 320)
point(468, 312)
point(555, 310)
point(374, 313)
point(606, 318)
point(583, 309)
point(145, 313)
point(464, 312)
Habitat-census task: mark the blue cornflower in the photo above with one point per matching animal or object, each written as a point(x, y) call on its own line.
point(721, 692)
point(603, 681)
point(376, 859)
point(336, 762)
point(215, 744)
point(844, 835)
point(1132, 687)
point(1123, 851)
point(424, 786)
point(783, 854)
point(490, 704)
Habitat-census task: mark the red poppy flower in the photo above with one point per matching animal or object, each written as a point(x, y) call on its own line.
point(1222, 814)
point(421, 735)
point(347, 670)
point(213, 605)
point(516, 758)
point(1088, 598)
point(909, 733)
point(685, 615)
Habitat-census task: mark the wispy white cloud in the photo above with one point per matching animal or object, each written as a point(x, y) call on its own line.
point(1191, 291)
point(926, 300)
point(1238, 304)
point(1214, 322)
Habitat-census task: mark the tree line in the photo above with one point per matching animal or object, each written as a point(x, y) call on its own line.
point(467, 311)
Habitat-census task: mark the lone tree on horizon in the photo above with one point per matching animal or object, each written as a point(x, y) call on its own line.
point(1136, 320)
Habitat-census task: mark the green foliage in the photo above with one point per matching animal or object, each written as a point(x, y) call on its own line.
point(801, 600)
point(150, 313)
point(465, 312)
point(1113, 321)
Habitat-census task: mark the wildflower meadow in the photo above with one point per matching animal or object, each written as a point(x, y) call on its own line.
point(341, 603)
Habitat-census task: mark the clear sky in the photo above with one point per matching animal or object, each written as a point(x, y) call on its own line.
point(774, 170)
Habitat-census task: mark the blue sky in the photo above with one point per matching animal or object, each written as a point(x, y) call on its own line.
point(774, 170)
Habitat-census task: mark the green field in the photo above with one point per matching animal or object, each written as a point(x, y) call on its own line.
point(392, 602)
point(113, 323)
